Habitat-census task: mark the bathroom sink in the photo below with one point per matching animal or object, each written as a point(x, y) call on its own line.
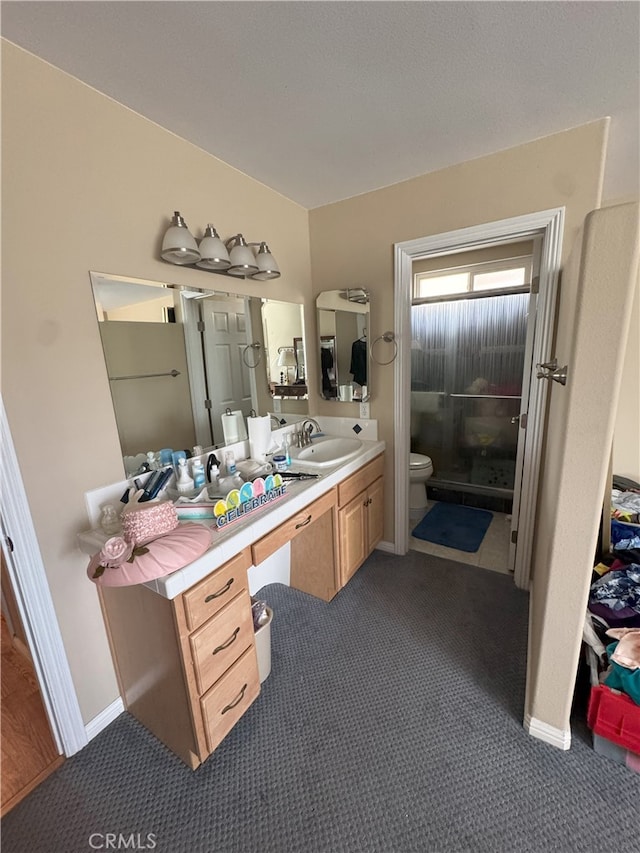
point(326, 451)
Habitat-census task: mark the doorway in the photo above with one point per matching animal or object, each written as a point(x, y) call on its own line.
point(545, 226)
point(472, 320)
point(29, 751)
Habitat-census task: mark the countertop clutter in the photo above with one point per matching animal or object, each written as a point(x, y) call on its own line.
point(241, 533)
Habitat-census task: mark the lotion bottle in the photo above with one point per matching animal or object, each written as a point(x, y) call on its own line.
point(184, 482)
point(197, 469)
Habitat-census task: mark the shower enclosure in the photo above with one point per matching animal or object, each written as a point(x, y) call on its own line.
point(467, 362)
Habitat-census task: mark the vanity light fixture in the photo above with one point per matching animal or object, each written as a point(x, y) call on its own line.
point(179, 245)
point(213, 252)
point(267, 266)
point(234, 256)
point(243, 261)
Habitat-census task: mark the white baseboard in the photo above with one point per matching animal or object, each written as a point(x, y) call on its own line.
point(560, 738)
point(102, 720)
point(387, 547)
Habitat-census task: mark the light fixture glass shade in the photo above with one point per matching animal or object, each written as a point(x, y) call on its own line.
point(267, 266)
point(179, 245)
point(243, 261)
point(213, 252)
point(286, 358)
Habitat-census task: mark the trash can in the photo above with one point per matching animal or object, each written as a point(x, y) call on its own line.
point(263, 647)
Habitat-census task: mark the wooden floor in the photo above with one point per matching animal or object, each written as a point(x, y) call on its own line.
point(29, 752)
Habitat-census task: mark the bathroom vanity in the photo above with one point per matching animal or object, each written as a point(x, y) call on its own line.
point(183, 645)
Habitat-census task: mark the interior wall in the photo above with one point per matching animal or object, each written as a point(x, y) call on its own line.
point(97, 183)
point(352, 240)
point(597, 289)
point(626, 442)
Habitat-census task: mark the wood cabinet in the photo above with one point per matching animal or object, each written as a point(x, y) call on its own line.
point(187, 667)
point(312, 533)
point(360, 517)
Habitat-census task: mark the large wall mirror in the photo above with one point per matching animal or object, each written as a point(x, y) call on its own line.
point(178, 358)
point(343, 329)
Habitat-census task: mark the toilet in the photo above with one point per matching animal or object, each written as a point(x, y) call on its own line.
point(420, 469)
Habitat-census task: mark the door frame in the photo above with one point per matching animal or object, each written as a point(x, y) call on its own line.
point(547, 224)
point(35, 605)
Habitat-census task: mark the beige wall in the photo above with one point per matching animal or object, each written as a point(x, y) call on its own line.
point(597, 289)
point(626, 442)
point(88, 184)
point(352, 240)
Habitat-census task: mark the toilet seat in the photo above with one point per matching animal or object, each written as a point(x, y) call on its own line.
point(417, 462)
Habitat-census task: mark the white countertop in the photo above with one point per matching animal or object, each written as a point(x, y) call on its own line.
point(230, 540)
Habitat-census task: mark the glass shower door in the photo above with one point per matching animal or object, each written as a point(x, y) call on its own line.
point(467, 362)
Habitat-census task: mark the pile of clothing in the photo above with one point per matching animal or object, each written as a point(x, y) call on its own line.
point(614, 703)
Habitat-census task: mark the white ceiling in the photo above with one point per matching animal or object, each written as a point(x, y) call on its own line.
point(325, 100)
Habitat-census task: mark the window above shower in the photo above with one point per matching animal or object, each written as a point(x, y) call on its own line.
point(509, 275)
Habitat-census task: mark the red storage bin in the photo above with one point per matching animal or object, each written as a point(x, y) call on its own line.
point(614, 716)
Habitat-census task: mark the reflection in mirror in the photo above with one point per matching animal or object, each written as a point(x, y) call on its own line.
point(178, 358)
point(343, 327)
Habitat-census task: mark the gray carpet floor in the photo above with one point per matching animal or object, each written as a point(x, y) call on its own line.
point(392, 721)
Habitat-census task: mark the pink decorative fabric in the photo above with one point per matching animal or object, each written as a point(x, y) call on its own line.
point(627, 652)
point(155, 559)
point(142, 522)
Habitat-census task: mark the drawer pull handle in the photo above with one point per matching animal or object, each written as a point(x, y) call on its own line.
point(220, 592)
point(227, 643)
point(303, 523)
point(235, 701)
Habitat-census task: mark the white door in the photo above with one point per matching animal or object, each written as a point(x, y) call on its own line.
point(224, 340)
point(524, 433)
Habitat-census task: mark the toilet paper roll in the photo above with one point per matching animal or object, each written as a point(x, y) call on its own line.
point(259, 437)
point(233, 427)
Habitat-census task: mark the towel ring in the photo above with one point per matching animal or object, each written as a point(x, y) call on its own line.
point(388, 338)
point(257, 346)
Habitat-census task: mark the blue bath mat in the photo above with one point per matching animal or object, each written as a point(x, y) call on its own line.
point(459, 527)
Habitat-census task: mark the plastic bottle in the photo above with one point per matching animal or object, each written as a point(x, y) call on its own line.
point(109, 520)
point(184, 483)
point(197, 469)
point(230, 463)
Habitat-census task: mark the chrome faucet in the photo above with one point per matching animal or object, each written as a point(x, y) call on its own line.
point(275, 421)
point(307, 430)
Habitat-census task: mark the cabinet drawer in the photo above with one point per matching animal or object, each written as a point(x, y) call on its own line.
point(211, 594)
point(228, 699)
point(359, 481)
point(221, 641)
point(289, 529)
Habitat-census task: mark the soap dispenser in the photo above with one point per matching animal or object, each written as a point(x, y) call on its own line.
point(184, 482)
point(197, 469)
